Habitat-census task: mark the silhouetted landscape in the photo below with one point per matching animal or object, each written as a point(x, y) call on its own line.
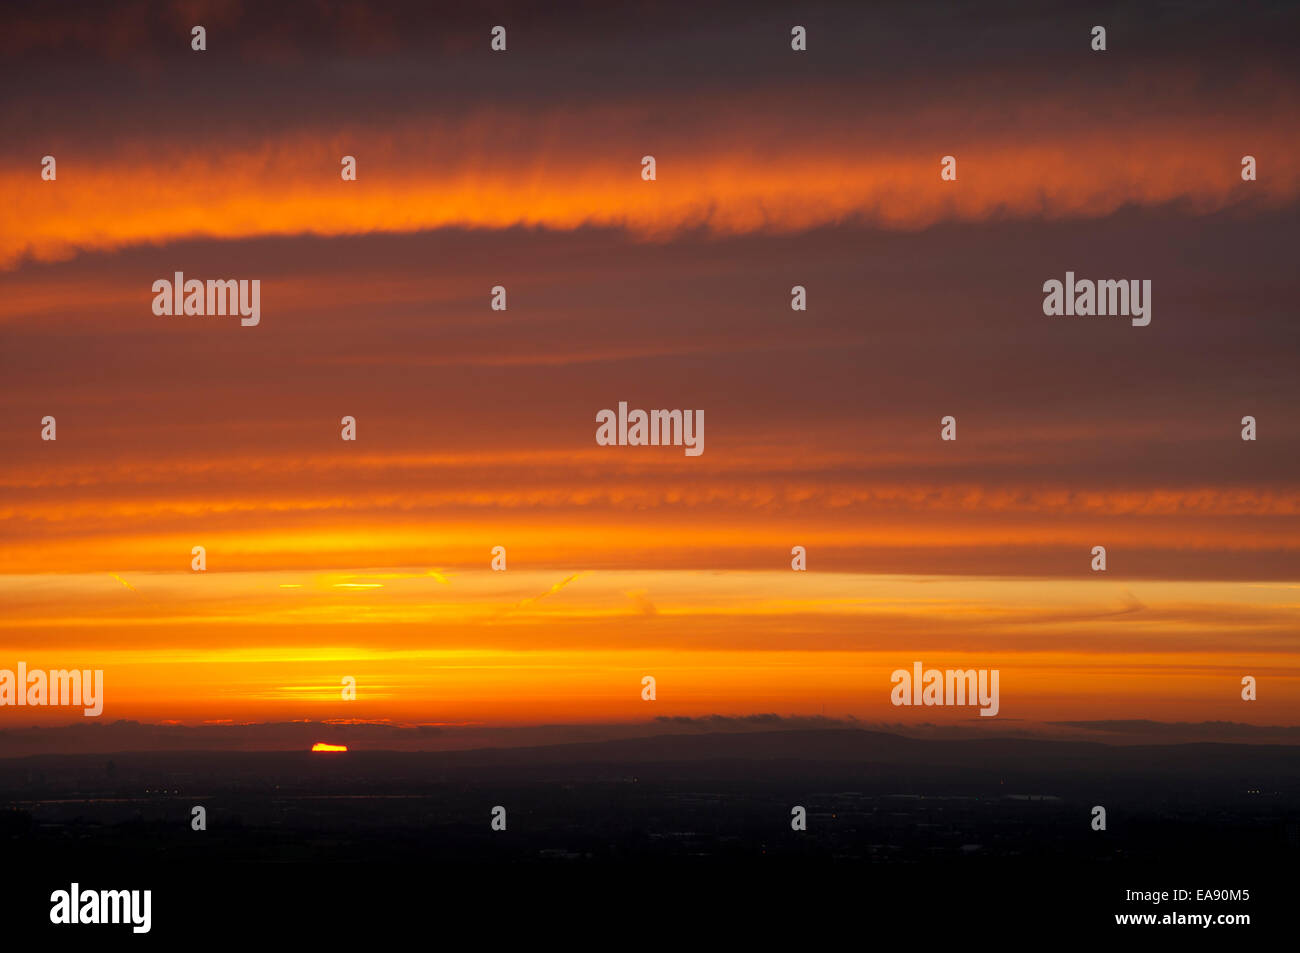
point(963, 817)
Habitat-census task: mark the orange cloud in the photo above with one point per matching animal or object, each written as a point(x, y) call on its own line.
point(498, 170)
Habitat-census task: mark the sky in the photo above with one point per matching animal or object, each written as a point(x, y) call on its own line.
point(475, 428)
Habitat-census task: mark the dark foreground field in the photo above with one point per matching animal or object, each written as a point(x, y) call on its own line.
point(650, 837)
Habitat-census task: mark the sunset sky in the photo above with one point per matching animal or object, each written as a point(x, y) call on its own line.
point(476, 427)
